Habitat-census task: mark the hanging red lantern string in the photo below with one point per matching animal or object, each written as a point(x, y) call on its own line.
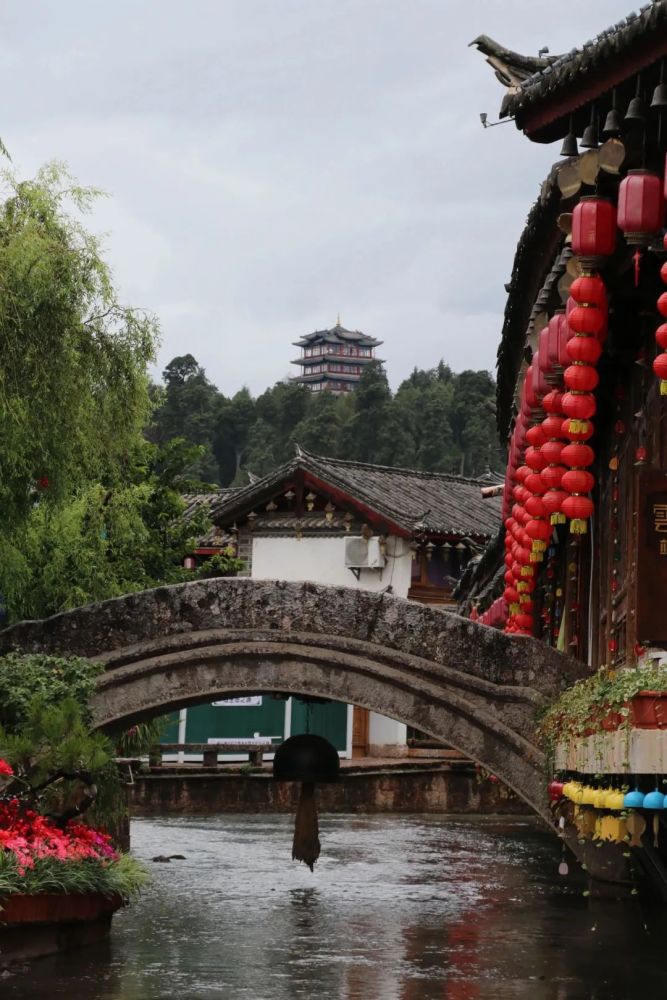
point(586, 321)
point(660, 363)
point(553, 473)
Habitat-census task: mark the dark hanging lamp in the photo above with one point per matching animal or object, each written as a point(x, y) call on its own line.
point(636, 113)
point(307, 758)
point(589, 139)
point(613, 123)
point(659, 101)
point(569, 147)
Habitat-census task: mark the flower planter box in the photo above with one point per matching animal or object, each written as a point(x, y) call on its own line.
point(46, 923)
point(56, 907)
point(646, 710)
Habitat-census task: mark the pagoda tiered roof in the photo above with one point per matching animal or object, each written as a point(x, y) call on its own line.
point(337, 335)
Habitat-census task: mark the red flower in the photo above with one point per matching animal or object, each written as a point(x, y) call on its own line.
point(5, 768)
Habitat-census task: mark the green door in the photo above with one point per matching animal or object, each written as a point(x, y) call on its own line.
point(328, 719)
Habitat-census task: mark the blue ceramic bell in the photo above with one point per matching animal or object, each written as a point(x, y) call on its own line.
point(633, 800)
point(654, 800)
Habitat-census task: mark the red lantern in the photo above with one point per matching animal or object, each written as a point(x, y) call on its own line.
point(578, 509)
point(593, 229)
point(535, 507)
point(660, 368)
point(578, 456)
point(586, 319)
point(535, 484)
point(534, 459)
point(580, 406)
point(641, 206)
point(581, 378)
point(552, 476)
point(660, 336)
point(551, 451)
point(589, 289)
point(552, 426)
point(525, 622)
point(521, 473)
point(662, 304)
point(586, 349)
point(553, 500)
point(553, 402)
point(578, 481)
point(535, 436)
point(578, 430)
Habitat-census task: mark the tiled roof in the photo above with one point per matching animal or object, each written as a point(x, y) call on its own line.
point(588, 71)
point(194, 502)
point(437, 503)
point(606, 47)
point(337, 335)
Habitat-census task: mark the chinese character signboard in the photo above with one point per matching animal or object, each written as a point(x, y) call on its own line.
point(652, 558)
point(247, 701)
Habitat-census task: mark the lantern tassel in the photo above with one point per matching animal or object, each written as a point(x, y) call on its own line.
point(663, 387)
point(558, 518)
point(578, 526)
point(306, 843)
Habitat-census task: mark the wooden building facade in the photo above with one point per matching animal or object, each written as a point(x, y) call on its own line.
point(582, 368)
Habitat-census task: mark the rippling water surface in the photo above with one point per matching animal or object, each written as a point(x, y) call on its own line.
point(399, 908)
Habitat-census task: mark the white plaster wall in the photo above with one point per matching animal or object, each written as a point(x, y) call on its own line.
point(322, 560)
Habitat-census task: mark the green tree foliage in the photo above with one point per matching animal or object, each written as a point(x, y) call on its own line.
point(438, 421)
point(187, 408)
point(73, 383)
point(104, 540)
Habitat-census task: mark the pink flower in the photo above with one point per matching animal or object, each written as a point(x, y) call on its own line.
point(5, 768)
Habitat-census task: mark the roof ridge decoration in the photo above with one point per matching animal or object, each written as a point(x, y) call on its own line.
point(540, 98)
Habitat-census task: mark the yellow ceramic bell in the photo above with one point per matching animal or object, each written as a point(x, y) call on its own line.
point(569, 788)
point(614, 799)
point(600, 798)
point(588, 795)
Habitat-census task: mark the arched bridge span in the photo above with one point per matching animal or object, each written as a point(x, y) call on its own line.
point(163, 649)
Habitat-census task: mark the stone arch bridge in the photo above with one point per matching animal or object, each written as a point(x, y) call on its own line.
point(461, 682)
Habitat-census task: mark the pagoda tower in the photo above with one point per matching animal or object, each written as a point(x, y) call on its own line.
point(334, 359)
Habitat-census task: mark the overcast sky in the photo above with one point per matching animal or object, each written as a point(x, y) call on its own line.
point(273, 163)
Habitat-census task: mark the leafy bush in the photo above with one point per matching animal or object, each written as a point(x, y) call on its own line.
point(581, 709)
point(24, 677)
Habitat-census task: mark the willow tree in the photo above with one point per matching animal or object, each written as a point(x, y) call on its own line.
point(73, 360)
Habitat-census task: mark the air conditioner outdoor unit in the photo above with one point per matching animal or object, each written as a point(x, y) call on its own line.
point(362, 554)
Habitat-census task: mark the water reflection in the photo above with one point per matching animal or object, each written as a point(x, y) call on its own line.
point(399, 908)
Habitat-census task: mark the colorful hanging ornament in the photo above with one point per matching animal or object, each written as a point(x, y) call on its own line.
point(660, 363)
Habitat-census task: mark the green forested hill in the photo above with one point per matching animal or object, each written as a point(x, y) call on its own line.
point(437, 420)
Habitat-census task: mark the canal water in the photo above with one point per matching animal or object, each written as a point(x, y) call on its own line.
point(398, 908)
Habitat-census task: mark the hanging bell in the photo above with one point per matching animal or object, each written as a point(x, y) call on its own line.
point(659, 100)
point(659, 97)
point(569, 147)
point(589, 139)
point(307, 758)
point(612, 124)
point(636, 111)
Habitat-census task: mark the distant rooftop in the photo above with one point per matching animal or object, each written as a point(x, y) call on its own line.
point(435, 502)
point(337, 335)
